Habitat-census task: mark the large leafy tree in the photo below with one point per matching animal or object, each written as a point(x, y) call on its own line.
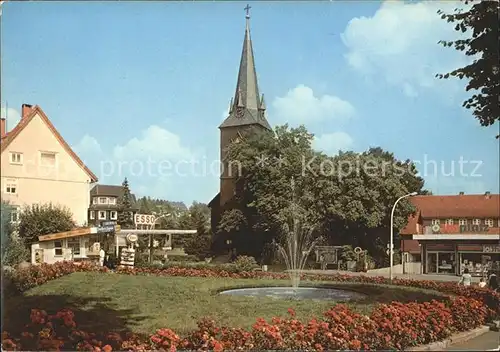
point(125, 207)
point(348, 196)
point(480, 22)
point(37, 220)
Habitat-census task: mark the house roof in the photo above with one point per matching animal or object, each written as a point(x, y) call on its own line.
point(25, 120)
point(468, 206)
point(215, 199)
point(110, 191)
point(458, 206)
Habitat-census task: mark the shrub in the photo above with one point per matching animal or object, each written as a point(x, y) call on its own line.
point(14, 251)
point(38, 220)
point(245, 263)
point(394, 326)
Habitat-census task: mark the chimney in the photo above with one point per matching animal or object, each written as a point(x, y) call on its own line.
point(3, 128)
point(487, 194)
point(26, 109)
point(461, 194)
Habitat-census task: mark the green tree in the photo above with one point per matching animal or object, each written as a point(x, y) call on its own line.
point(480, 24)
point(125, 207)
point(144, 206)
point(348, 196)
point(14, 250)
point(38, 220)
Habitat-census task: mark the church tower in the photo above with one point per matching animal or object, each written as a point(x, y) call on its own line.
point(246, 116)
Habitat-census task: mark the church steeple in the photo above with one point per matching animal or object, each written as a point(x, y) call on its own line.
point(248, 106)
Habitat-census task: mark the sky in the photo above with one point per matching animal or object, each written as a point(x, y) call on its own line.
point(138, 89)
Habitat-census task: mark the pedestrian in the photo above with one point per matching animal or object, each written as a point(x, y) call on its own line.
point(102, 255)
point(482, 283)
point(493, 282)
point(466, 278)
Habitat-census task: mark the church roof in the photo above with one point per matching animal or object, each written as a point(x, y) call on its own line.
point(247, 106)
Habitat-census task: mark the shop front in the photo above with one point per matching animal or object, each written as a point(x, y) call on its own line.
point(453, 256)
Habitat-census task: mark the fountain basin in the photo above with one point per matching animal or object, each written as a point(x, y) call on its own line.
point(299, 293)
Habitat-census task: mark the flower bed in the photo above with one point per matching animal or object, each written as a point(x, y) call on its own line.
point(389, 326)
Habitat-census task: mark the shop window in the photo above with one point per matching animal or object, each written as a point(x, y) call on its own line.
point(436, 221)
point(74, 244)
point(449, 221)
point(476, 222)
point(58, 248)
point(489, 222)
point(462, 222)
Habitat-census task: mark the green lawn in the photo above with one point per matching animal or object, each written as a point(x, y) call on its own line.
point(114, 302)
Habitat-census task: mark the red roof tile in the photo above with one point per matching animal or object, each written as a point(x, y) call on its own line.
point(459, 206)
point(453, 207)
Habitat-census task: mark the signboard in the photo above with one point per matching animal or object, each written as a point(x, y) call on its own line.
point(454, 229)
point(144, 219)
point(102, 229)
point(491, 249)
point(108, 223)
point(127, 257)
point(327, 253)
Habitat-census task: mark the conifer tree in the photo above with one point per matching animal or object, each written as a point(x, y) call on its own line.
point(125, 207)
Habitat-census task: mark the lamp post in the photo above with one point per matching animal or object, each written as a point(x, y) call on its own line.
point(391, 244)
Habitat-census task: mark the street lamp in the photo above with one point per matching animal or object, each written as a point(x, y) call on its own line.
point(391, 244)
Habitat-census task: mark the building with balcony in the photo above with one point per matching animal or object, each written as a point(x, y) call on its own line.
point(38, 166)
point(450, 233)
point(103, 207)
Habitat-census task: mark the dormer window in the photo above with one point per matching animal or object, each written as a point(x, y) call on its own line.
point(462, 222)
point(449, 221)
point(436, 221)
point(489, 222)
point(476, 222)
point(112, 200)
point(103, 200)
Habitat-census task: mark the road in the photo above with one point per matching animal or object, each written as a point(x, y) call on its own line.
point(486, 342)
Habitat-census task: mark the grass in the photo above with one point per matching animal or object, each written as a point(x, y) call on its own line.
point(114, 302)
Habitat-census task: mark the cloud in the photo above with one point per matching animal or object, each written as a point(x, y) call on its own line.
point(155, 143)
point(12, 116)
point(331, 143)
point(399, 44)
point(88, 145)
point(300, 105)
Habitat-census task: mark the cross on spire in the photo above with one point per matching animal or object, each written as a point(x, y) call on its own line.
point(247, 9)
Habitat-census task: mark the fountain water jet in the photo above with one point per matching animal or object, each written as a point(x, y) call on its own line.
point(295, 249)
point(298, 243)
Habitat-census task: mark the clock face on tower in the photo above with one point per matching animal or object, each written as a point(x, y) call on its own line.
point(240, 113)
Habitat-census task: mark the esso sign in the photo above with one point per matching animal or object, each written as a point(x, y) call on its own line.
point(144, 219)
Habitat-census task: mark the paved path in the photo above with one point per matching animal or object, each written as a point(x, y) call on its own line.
point(486, 342)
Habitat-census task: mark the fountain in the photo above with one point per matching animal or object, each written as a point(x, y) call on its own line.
point(295, 250)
